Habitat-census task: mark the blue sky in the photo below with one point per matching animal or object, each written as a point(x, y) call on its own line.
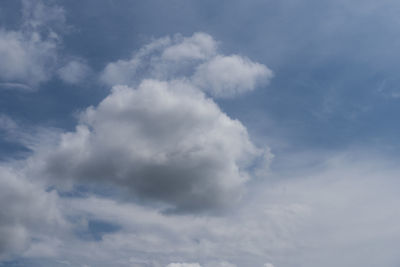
point(199, 133)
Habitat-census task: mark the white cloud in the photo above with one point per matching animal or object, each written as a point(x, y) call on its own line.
point(164, 141)
point(160, 141)
point(164, 58)
point(26, 213)
point(129, 72)
point(227, 76)
point(30, 54)
point(319, 215)
point(26, 58)
point(194, 58)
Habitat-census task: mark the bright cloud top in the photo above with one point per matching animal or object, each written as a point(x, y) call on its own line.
point(195, 59)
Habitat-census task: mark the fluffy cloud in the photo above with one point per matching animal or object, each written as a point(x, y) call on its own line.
point(26, 213)
point(159, 140)
point(29, 54)
point(194, 58)
point(160, 137)
point(163, 141)
point(227, 76)
point(26, 59)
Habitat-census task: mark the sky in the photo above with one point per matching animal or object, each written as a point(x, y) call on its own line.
point(188, 133)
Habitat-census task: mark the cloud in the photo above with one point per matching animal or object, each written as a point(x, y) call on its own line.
point(26, 213)
point(304, 217)
point(26, 58)
point(309, 219)
point(33, 138)
point(163, 141)
point(29, 54)
point(227, 76)
point(168, 141)
point(194, 58)
point(75, 71)
point(164, 58)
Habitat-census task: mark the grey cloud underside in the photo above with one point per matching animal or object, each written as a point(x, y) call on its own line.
point(280, 224)
point(163, 141)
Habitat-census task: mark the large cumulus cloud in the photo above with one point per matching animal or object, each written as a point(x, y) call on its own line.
point(164, 141)
point(159, 137)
